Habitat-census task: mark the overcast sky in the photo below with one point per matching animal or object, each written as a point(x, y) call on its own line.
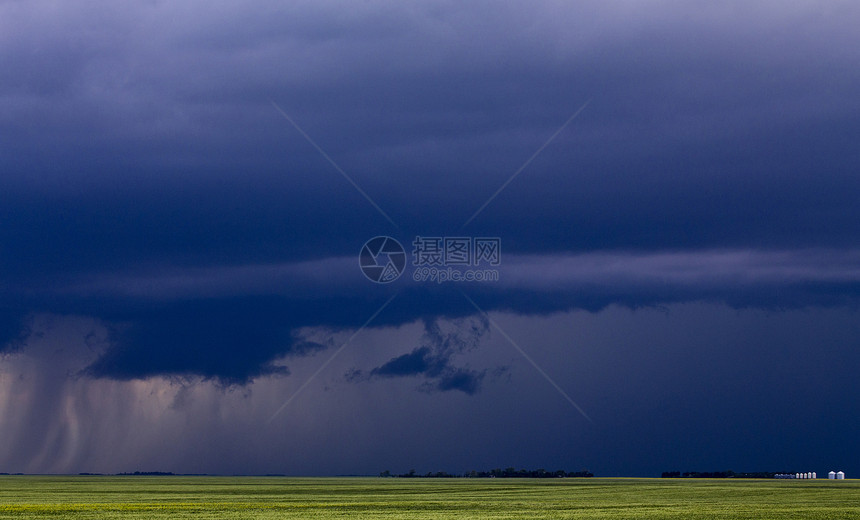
point(185, 190)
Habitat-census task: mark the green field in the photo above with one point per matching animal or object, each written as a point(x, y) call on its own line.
point(273, 497)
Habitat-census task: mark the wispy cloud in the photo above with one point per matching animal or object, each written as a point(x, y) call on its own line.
point(434, 360)
point(728, 269)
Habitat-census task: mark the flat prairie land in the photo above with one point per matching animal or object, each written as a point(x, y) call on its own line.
point(74, 497)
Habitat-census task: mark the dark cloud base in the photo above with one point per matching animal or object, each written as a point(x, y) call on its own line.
point(236, 340)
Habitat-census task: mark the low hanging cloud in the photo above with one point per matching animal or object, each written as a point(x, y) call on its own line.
point(238, 324)
point(434, 359)
point(737, 277)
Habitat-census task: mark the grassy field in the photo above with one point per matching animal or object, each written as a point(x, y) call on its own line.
point(264, 497)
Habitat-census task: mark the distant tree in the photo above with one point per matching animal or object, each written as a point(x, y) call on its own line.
point(509, 472)
point(581, 474)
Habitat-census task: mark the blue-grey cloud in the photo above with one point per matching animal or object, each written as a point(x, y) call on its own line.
point(434, 360)
point(462, 379)
point(419, 361)
point(440, 374)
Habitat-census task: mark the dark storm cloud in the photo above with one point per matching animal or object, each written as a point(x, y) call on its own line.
point(190, 322)
point(147, 180)
point(232, 341)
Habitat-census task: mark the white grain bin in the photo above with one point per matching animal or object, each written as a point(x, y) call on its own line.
point(814, 475)
point(831, 475)
point(840, 475)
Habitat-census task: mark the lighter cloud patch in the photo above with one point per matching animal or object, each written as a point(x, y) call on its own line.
point(320, 277)
point(729, 268)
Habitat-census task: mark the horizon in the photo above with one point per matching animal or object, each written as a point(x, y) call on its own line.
point(433, 475)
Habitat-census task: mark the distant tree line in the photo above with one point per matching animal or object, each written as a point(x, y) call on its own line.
point(147, 474)
point(718, 474)
point(495, 473)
